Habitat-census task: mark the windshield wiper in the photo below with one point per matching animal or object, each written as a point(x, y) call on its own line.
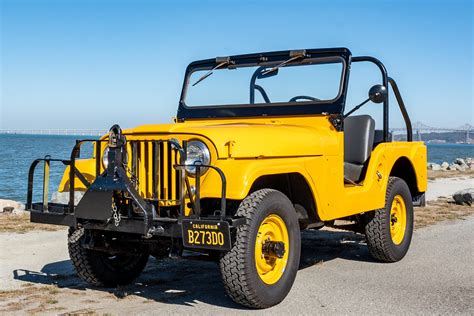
point(294, 55)
point(221, 61)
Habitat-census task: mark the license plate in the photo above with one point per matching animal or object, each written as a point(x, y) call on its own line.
point(206, 234)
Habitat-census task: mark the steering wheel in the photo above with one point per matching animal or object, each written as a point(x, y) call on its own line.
point(303, 97)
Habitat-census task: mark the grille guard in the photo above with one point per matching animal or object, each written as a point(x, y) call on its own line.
point(94, 209)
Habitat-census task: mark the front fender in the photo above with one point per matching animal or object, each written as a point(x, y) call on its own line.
point(86, 167)
point(241, 174)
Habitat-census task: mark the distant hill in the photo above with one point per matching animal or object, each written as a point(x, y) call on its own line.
point(445, 137)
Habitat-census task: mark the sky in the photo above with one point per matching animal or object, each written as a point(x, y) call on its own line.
point(70, 64)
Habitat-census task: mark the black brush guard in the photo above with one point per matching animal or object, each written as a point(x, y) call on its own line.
point(94, 210)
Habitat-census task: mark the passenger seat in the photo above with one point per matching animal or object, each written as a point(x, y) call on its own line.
point(358, 144)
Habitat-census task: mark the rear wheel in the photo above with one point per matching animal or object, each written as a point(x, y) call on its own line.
point(101, 268)
point(261, 267)
point(389, 230)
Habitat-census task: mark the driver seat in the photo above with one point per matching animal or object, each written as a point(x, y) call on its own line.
point(358, 144)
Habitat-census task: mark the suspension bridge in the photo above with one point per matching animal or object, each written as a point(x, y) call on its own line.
point(71, 132)
point(419, 128)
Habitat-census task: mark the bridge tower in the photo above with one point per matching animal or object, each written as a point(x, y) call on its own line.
point(418, 135)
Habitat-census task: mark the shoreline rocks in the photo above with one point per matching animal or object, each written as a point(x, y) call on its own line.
point(459, 164)
point(12, 207)
point(464, 196)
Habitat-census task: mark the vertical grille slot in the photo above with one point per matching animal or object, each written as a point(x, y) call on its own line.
point(162, 171)
point(156, 162)
point(170, 171)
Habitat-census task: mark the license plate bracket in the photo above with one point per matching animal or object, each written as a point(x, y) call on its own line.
point(206, 234)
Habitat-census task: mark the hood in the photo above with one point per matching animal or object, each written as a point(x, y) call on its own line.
point(258, 138)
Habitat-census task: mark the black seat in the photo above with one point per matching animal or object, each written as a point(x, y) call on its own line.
point(358, 144)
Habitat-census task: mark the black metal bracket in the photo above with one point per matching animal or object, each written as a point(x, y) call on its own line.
point(336, 121)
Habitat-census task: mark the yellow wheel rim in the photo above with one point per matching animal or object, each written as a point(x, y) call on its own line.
point(398, 219)
point(271, 268)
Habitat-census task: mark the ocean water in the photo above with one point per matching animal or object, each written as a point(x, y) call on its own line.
point(448, 152)
point(18, 151)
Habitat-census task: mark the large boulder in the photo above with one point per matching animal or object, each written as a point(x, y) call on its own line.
point(464, 196)
point(445, 165)
point(436, 167)
point(459, 161)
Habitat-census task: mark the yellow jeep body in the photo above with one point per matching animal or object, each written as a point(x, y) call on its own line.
point(249, 150)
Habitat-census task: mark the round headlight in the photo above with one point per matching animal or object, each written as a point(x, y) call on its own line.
point(105, 157)
point(197, 153)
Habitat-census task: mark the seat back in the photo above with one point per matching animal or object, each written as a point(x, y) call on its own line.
point(358, 138)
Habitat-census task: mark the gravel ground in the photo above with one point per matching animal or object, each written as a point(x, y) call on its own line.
point(337, 276)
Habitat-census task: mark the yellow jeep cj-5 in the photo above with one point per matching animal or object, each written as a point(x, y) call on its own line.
point(262, 148)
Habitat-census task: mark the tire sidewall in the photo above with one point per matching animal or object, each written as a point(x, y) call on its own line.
point(275, 203)
point(399, 187)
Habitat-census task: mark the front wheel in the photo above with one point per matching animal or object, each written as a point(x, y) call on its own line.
point(389, 230)
point(100, 268)
point(261, 267)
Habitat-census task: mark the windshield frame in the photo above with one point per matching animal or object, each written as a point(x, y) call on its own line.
point(334, 106)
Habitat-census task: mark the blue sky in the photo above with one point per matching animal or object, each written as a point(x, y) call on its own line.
point(89, 64)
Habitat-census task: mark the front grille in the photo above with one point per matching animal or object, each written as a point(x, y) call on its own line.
point(152, 164)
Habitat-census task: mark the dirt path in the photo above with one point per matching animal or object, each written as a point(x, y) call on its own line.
point(336, 275)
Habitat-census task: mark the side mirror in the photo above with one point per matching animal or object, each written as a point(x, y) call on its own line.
point(378, 93)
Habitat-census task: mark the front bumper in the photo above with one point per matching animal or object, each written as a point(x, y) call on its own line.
point(95, 211)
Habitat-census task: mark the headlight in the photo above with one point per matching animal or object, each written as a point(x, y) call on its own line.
point(105, 157)
point(197, 153)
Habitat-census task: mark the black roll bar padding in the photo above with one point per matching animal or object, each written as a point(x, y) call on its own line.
point(383, 70)
point(403, 109)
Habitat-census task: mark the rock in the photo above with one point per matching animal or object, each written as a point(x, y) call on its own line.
point(444, 165)
point(459, 161)
point(63, 197)
point(469, 161)
point(464, 196)
point(8, 209)
point(435, 167)
point(453, 167)
point(11, 204)
point(463, 167)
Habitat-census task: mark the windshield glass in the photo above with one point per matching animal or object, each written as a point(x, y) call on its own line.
point(311, 80)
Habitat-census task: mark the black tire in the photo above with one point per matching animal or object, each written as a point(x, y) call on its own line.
point(99, 268)
point(238, 266)
point(377, 229)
